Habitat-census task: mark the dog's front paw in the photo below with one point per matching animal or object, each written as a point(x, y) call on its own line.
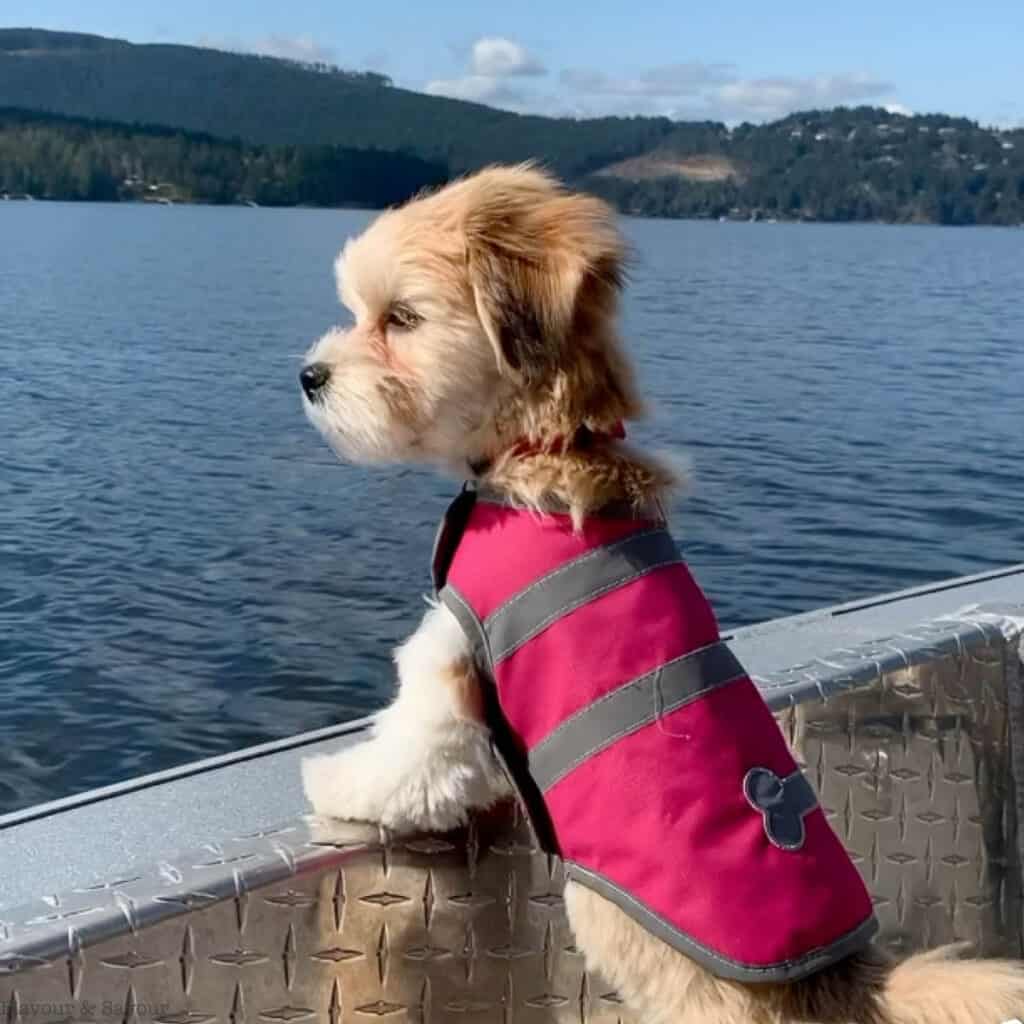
point(335, 789)
point(366, 783)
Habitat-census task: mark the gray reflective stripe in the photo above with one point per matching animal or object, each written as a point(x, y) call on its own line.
point(470, 623)
point(724, 967)
point(509, 752)
point(630, 707)
point(576, 583)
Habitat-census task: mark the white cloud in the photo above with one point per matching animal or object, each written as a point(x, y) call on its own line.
point(304, 48)
point(301, 47)
point(497, 57)
point(898, 108)
point(715, 92)
point(477, 89)
point(495, 63)
point(669, 80)
point(496, 69)
point(765, 99)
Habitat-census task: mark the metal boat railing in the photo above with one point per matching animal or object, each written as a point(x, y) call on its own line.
point(912, 741)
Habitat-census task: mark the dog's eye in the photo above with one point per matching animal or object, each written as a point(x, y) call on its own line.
point(403, 317)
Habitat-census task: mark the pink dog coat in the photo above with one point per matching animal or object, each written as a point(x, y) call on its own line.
point(643, 753)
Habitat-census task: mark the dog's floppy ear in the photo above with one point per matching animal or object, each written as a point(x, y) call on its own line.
point(535, 253)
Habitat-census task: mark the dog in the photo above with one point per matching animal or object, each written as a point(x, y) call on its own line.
point(485, 344)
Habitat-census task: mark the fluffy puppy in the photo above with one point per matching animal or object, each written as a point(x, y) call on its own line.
point(485, 343)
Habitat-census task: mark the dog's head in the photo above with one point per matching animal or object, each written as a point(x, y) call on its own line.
point(483, 314)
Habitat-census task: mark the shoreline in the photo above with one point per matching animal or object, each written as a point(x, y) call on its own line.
point(354, 207)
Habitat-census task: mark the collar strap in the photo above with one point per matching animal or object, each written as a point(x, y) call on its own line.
point(620, 508)
point(582, 440)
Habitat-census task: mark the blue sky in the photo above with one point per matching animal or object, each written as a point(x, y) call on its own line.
point(729, 60)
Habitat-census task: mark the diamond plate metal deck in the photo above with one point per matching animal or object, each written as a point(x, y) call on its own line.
point(908, 740)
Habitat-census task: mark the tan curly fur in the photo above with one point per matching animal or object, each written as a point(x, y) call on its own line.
point(516, 282)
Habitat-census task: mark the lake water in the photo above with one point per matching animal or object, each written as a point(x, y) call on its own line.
point(185, 569)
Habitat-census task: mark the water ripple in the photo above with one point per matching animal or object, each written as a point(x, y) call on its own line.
point(185, 569)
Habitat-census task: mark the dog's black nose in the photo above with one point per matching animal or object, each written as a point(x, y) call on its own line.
point(314, 377)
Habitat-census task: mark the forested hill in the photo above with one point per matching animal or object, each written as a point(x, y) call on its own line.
point(836, 165)
point(49, 156)
point(233, 127)
point(272, 101)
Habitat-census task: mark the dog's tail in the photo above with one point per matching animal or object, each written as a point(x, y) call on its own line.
point(938, 987)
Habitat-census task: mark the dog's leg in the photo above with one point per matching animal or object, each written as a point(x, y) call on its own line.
point(428, 761)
